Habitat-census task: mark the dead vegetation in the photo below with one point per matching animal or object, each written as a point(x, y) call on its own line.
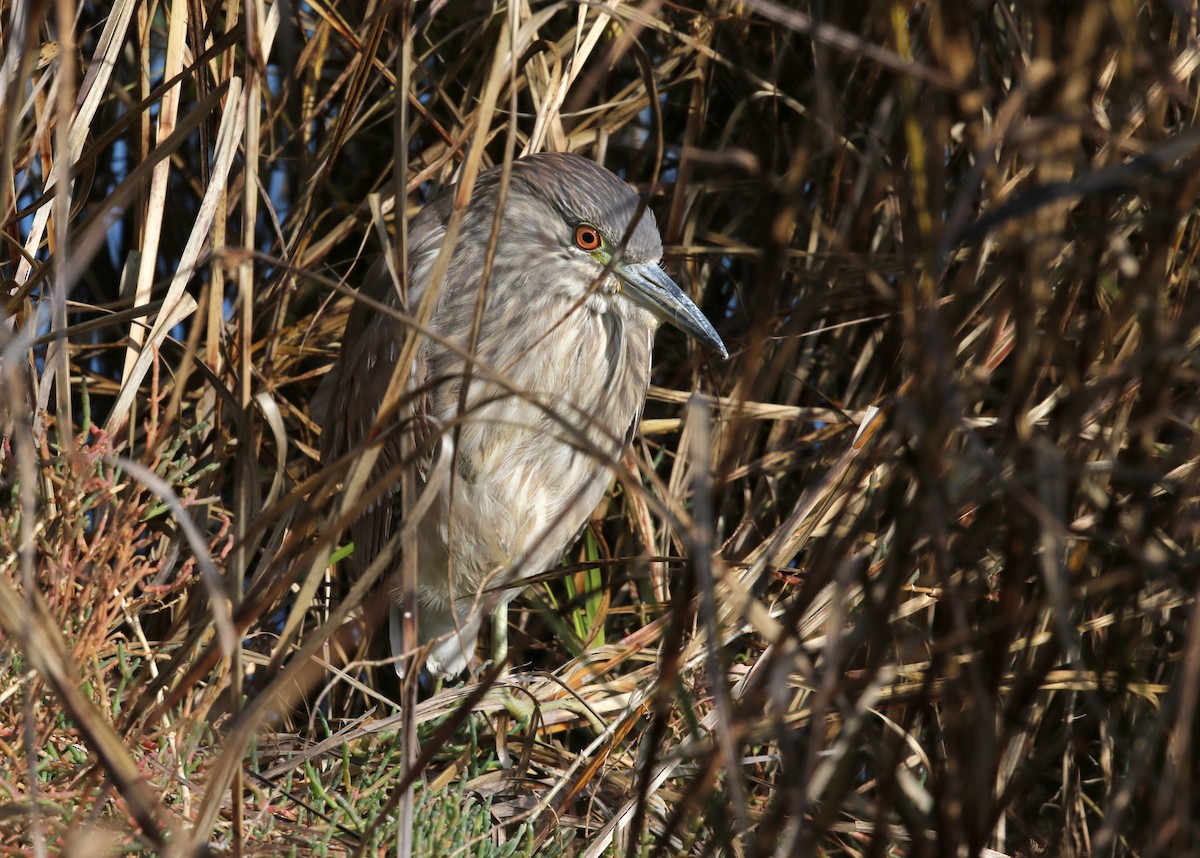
point(963, 622)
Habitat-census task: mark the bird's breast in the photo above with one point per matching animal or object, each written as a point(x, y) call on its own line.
point(575, 390)
point(534, 455)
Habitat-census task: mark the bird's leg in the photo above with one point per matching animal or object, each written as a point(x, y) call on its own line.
point(500, 635)
point(521, 707)
point(499, 656)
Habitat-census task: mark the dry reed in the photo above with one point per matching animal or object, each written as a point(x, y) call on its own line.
point(936, 594)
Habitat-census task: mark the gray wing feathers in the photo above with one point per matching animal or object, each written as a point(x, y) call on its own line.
point(348, 398)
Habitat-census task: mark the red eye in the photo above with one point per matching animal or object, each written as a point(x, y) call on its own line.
point(587, 237)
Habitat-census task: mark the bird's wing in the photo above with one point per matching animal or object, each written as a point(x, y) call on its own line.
point(349, 397)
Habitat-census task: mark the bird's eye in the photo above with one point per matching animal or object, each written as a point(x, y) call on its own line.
point(587, 237)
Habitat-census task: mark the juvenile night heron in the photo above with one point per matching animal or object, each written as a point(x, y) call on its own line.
point(573, 341)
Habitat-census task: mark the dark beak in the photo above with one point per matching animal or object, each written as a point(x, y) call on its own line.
point(649, 286)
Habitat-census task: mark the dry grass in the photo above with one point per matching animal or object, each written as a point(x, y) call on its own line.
point(963, 622)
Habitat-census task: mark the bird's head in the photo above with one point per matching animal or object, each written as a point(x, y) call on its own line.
point(576, 214)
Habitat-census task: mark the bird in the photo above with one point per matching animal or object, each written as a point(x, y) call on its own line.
point(562, 366)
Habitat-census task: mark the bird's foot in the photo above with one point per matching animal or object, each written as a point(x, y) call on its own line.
point(521, 707)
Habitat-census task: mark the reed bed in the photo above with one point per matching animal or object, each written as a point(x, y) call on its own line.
point(914, 572)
